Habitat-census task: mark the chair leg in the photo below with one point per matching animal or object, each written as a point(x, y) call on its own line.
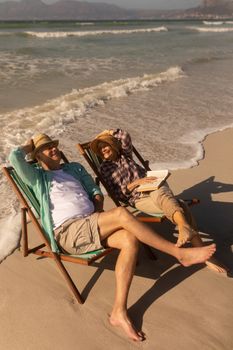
point(68, 279)
point(24, 231)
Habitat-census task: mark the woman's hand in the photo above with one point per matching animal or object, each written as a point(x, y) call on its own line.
point(148, 179)
point(105, 133)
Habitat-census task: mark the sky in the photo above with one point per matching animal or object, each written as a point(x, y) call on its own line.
point(146, 4)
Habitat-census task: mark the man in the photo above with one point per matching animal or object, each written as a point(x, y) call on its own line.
point(72, 205)
point(123, 176)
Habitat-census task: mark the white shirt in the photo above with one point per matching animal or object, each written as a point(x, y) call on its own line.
point(68, 199)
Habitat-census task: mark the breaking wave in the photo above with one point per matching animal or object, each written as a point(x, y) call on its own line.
point(45, 35)
point(55, 114)
point(213, 23)
point(212, 29)
point(217, 23)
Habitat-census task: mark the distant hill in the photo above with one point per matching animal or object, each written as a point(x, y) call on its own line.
point(82, 10)
point(212, 8)
point(63, 9)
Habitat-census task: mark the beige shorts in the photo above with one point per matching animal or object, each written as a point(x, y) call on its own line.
point(79, 236)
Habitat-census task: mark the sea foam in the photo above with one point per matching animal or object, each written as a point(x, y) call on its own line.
point(211, 29)
point(213, 23)
point(45, 35)
point(9, 235)
point(55, 114)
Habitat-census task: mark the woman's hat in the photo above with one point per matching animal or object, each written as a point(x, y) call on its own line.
point(110, 140)
point(41, 140)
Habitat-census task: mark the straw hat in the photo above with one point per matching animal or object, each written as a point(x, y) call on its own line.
point(110, 140)
point(41, 140)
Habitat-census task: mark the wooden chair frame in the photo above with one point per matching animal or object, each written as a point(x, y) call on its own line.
point(94, 162)
point(26, 210)
point(92, 159)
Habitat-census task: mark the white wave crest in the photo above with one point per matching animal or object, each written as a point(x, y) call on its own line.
point(217, 23)
point(213, 23)
point(212, 30)
point(85, 23)
point(45, 35)
point(6, 33)
point(9, 235)
point(54, 115)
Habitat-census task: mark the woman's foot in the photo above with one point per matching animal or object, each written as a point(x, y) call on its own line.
point(191, 256)
point(214, 265)
point(121, 319)
point(186, 234)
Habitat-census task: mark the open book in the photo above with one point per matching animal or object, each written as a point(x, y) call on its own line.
point(161, 176)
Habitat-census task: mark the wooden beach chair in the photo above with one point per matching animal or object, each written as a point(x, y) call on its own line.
point(30, 207)
point(94, 162)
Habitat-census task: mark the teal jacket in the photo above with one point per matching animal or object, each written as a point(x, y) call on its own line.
point(40, 181)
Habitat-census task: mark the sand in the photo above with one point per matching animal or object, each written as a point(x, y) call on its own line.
point(178, 308)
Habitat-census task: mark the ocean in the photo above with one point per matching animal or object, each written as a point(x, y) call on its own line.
point(169, 83)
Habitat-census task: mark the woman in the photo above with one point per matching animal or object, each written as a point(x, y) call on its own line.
point(123, 176)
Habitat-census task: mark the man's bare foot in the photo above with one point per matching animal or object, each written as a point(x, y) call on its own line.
point(122, 320)
point(214, 265)
point(186, 234)
point(191, 256)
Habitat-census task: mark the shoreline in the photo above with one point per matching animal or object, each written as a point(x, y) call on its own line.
point(200, 154)
point(164, 296)
point(211, 181)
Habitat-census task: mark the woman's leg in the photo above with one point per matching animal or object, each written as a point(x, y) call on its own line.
point(163, 201)
point(179, 213)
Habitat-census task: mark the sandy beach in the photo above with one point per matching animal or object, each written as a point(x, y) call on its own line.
point(177, 307)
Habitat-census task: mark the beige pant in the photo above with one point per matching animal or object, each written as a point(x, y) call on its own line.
point(163, 201)
point(79, 236)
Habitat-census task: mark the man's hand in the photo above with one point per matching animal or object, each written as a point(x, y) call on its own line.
point(28, 147)
point(98, 201)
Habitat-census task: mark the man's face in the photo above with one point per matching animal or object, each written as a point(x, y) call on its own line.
point(50, 156)
point(107, 152)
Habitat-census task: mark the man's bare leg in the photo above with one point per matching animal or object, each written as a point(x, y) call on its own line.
point(124, 272)
point(196, 240)
point(119, 218)
point(123, 231)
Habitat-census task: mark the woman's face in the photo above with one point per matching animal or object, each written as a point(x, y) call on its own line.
point(106, 151)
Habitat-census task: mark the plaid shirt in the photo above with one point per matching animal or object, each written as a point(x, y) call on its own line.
point(118, 174)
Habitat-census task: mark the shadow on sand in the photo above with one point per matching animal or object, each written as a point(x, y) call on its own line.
point(214, 218)
point(215, 221)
